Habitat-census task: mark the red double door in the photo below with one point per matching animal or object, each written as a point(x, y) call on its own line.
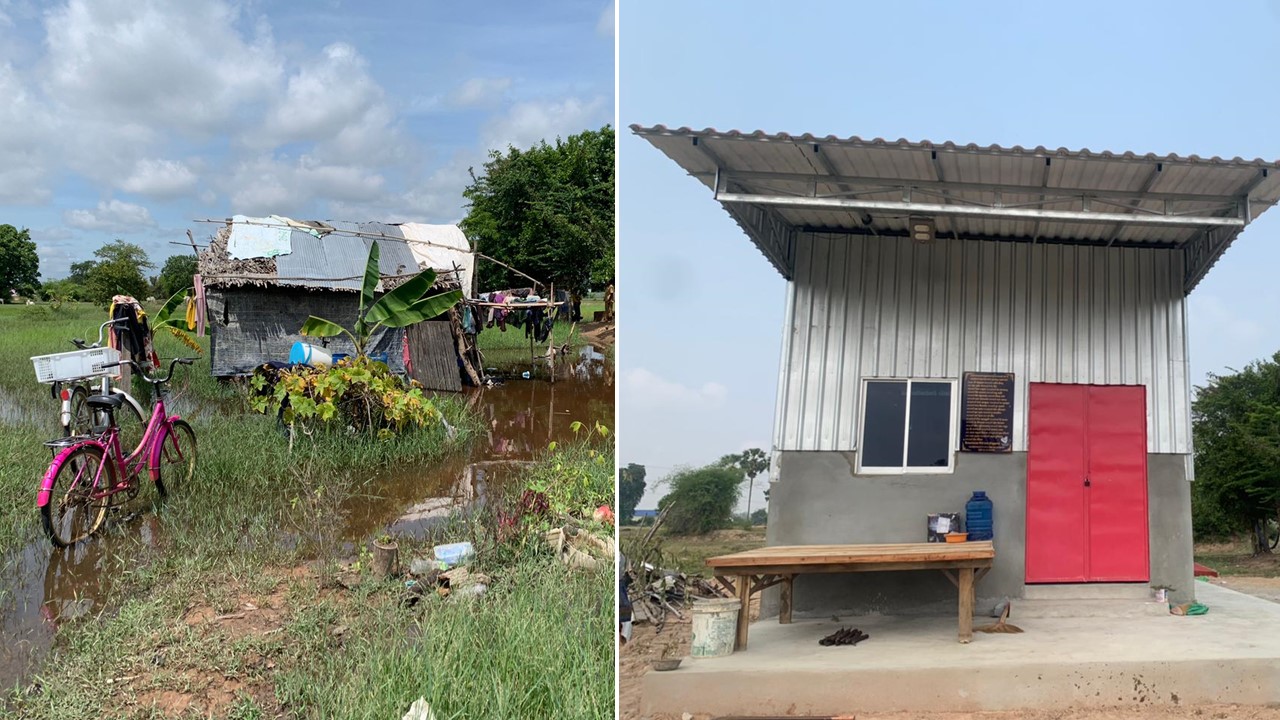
point(1087, 484)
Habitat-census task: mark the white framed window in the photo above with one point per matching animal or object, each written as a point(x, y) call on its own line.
point(908, 425)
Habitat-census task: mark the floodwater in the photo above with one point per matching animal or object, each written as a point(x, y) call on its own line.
point(41, 588)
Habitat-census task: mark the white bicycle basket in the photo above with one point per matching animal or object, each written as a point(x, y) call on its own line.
point(75, 365)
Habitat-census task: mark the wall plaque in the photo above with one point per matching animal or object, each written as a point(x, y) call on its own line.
point(986, 412)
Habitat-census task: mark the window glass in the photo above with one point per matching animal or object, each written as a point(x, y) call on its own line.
point(929, 437)
point(884, 422)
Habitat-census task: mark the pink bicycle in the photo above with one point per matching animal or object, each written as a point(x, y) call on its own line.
point(91, 472)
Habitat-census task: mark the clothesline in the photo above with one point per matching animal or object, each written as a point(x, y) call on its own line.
point(266, 276)
point(539, 304)
point(335, 231)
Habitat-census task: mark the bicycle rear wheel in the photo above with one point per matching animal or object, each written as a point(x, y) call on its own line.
point(72, 513)
point(177, 464)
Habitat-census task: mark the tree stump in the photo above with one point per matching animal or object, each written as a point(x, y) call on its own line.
point(386, 559)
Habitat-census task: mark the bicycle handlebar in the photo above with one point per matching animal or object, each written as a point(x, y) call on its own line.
point(101, 330)
point(142, 373)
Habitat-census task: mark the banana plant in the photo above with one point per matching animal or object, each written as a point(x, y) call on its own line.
point(176, 324)
point(398, 308)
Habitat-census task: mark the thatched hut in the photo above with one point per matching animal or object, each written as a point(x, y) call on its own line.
point(264, 276)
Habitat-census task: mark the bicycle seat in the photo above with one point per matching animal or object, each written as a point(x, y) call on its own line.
point(104, 402)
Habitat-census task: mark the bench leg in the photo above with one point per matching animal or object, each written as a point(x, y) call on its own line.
point(744, 613)
point(784, 601)
point(966, 604)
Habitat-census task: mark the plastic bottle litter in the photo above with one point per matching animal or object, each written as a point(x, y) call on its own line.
point(525, 375)
point(422, 566)
point(452, 554)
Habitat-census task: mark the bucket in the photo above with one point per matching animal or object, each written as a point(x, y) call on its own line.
point(304, 354)
point(715, 627)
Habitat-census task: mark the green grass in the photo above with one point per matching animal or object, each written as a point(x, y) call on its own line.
point(689, 553)
point(504, 349)
point(1233, 557)
point(538, 645)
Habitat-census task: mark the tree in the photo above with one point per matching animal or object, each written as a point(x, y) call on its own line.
point(19, 263)
point(760, 517)
point(630, 490)
point(1236, 428)
point(703, 499)
point(118, 270)
point(175, 275)
point(547, 211)
point(751, 462)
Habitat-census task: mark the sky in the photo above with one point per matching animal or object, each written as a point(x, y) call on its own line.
point(702, 310)
point(132, 119)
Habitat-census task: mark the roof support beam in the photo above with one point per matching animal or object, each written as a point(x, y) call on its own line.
point(1007, 213)
point(807, 179)
point(1146, 187)
point(1202, 251)
point(771, 234)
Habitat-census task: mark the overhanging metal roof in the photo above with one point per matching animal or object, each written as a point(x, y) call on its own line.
point(778, 185)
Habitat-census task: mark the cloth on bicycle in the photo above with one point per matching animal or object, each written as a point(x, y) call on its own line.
point(134, 335)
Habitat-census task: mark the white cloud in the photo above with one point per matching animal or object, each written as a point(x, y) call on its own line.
point(336, 103)
point(527, 123)
point(111, 216)
point(25, 142)
point(176, 65)
point(279, 185)
point(479, 92)
point(643, 388)
point(605, 25)
point(160, 178)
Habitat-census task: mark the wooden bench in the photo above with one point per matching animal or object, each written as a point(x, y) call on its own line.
point(749, 572)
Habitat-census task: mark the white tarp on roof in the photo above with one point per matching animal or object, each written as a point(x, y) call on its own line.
point(259, 237)
point(440, 247)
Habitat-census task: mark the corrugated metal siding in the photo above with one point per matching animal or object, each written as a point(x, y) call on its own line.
point(866, 307)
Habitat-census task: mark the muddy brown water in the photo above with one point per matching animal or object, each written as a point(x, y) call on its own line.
point(42, 588)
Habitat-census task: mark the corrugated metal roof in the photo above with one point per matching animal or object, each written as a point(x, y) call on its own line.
point(337, 261)
point(971, 175)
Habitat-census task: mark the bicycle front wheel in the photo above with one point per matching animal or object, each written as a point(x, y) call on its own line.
point(73, 513)
point(177, 461)
point(131, 421)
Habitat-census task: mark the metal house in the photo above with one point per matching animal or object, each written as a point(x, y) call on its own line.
point(967, 318)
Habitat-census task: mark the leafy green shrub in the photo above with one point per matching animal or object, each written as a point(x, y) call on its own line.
point(703, 499)
point(566, 485)
point(358, 392)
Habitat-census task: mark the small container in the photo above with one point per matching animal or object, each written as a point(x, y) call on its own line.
point(957, 537)
point(454, 554)
point(979, 516)
point(668, 664)
point(307, 354)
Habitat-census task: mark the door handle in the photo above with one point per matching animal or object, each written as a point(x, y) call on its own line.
point(1087, 483)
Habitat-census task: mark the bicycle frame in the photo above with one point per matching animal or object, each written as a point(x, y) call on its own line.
point(129, 468)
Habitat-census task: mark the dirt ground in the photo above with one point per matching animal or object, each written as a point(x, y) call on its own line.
point(597, 335)
point(647, 645)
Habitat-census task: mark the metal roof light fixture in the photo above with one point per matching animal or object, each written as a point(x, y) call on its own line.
point(923, 229)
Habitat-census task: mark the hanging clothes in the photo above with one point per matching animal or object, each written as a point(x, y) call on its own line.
point(468, 320)
point(191, 313)
point(134, 334)
point(200, 305)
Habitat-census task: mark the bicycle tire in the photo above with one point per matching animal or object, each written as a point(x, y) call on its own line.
point(81, 415)
point(68, 504)
point(178, 455)
point(131, 421)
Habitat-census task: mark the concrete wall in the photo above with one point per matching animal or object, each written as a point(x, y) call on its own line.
point(819, 499)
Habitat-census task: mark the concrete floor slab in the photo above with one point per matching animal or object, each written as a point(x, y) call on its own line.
point(1232, 654)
